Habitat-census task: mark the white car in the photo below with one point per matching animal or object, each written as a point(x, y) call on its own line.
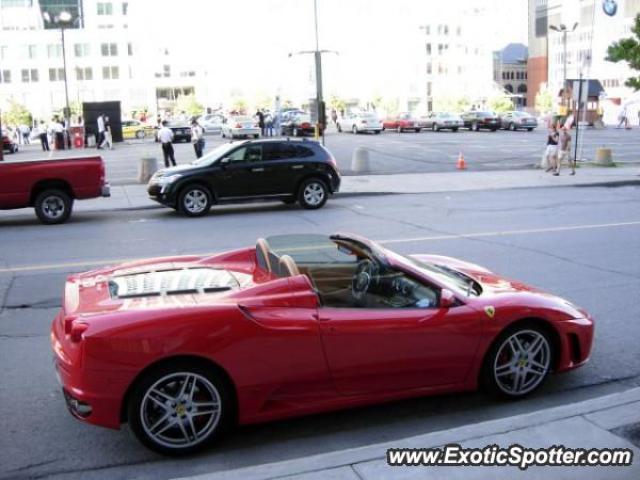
point(211, 122)
point(240, 126)
point(443, 121)
point(359, 122)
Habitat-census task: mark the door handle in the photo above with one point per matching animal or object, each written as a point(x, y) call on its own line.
point(257, 169)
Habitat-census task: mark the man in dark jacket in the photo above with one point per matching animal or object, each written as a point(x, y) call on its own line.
point(260, 116)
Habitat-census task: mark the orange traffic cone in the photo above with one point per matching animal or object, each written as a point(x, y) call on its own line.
point(461, 165)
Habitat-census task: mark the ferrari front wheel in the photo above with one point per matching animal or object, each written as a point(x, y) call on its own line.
point(180, 408)
point(518, 362)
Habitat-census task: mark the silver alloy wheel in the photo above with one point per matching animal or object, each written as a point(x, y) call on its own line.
point(180, 410)
point(522, 362)
point(53, 207)
point(313, 194)
point(195, 201)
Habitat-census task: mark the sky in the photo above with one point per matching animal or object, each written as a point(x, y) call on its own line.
point(245, 44)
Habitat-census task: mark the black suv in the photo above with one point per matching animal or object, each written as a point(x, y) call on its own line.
point(475, 121)
point(288, 170)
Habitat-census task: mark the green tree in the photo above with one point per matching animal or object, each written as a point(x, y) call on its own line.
point(189, 105)
point(451, 104)
point(16, 114)
point(336, 103)
point(628, 50)
point(500, 103)
point(544, 100)
point(239, 104)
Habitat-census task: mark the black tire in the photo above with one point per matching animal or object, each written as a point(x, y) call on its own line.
point(488, 374)
point(475, 127)
point(140, 134)
point(454, 129)
point(194, 200)
point(53, 206)
point(166, 379)
point(529, 129)
point(256, 136)
point(306, 195)
point(417, 130)
point(377, 132)
point(494, 129)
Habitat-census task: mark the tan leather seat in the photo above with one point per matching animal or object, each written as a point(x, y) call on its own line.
point(262, 255)
point(288, 267)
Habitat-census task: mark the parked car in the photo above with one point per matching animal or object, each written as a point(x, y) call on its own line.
point(477, 120)
point(136, 129)
point(437, 121)
point(181, 132)
point(8, 144)
point(51, 186)
point(402, 122)
point(359, 122)
point(515, 120)
point(185, 347)
point(240, 126)
point(288, 170)
point(211, 122)
point(297, 125)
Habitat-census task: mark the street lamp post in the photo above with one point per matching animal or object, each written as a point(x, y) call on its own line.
point(564, 30)
point(317, 53)
point(63, 19)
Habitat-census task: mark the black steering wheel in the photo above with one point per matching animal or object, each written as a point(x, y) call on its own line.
point(366, 275)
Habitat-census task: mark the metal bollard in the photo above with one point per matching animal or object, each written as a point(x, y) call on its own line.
point(360, 160)
point(146, 168)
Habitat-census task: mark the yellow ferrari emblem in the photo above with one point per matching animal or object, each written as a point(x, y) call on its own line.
point(490, 311)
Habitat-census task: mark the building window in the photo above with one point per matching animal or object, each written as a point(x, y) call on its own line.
point(429, 68)
point(429, 89)
point(129, 49)
point(109, 49)
point(5, 76)
point(30, 75)
point(125, 8)
point(56, 74)
point(84, 73)
point(32, 51)
point(427, 29)
point(81, 49)
point(428, 48)
point(509, 88)
point(54, 51)
point(105, 9)
point(110, 73)
point(166, 70)
point(446, 29)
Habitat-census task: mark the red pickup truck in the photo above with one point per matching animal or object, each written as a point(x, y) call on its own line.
point(51, 186)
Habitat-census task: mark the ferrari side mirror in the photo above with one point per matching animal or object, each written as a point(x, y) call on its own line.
point(447, 298)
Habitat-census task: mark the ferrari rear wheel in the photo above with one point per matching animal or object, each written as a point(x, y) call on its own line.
point(179, 408)
point(518, 362)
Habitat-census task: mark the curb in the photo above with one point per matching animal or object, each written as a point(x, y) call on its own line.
point(345, 458)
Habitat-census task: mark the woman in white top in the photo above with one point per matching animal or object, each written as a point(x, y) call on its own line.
point(197, 137)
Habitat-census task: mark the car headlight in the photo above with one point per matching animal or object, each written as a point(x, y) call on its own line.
point(169, 180)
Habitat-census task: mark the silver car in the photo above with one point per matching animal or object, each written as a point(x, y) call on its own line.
point(437, 121)
point(211, 122)
point(515, 120)
point(359, 122)
point(240, 126)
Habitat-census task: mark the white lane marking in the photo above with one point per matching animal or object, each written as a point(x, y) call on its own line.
point(96, 263)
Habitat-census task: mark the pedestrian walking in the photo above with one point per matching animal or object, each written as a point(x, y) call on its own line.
point(58, 134)
point(334, 116)
point(42, 133)
point(197, 137)
point(564, 151)
point(165, 136)
point(551, 152)
point(108, 139)
point(260, 116)
point(100, 139)
point(25, 131)
point(268, 125)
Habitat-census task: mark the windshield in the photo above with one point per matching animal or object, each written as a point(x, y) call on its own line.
point(215, 154)
point(447, 276)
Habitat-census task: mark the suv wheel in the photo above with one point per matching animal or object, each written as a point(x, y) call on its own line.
point(475, 127)
point(194, 201)
point(354, 129)
point(313, 193)
point(53, 206)
point(180, 408)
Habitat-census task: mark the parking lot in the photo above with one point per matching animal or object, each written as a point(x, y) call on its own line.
point(392, 152)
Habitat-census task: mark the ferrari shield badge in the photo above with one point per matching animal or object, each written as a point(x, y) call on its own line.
point(490, 311)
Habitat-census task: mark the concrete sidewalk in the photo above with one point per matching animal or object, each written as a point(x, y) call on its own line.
point(612, 421)
point(135, 196)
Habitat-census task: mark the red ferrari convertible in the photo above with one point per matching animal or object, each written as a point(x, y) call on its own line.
point(183, 348)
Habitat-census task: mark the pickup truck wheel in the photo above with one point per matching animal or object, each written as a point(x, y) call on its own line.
point(53, 206)
point(194, 201)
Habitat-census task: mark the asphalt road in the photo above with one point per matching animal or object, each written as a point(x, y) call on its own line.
point(392, 152)
point(581, 243)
